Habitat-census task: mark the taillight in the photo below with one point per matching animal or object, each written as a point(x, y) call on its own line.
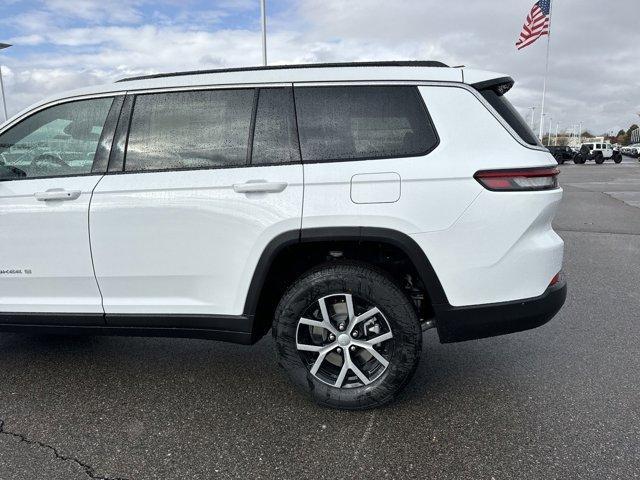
point(519, 180)
point(555, 279)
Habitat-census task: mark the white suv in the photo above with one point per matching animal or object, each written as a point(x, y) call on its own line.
point(598, 152)
point(346, 207)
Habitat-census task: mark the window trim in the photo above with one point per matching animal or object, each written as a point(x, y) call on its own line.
point(416, 93)
point(117, 155)
point(103, 153)
point(107, 129)
point(252, 126)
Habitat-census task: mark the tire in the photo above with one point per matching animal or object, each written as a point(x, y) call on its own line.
point(617, 157)
point(369, 289)
point(599, 158)
point(578, 159)
point(560, 160)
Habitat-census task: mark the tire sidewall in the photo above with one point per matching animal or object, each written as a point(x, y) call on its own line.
point(373, 287)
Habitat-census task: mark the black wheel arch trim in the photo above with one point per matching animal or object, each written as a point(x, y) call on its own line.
point(358, 234)
point(454, 324)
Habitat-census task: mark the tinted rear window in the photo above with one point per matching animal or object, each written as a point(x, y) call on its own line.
point(181, 130)
point(362, 122)
point(510, 115)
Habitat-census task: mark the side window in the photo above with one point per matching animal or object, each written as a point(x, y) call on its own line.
point(182, 130)
point(362, 122)
point(58, 141)
point(275, 138)
point(509, 114)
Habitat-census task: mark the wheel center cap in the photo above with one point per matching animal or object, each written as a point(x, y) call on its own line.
point(344, 339)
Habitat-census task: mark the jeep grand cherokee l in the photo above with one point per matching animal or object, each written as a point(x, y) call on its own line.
point(346, 207)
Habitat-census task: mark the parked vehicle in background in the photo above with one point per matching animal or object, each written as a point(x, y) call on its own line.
point(598, 152)
point(631, 150)
point(561, 153)
point(617, 154)
point(172, 205)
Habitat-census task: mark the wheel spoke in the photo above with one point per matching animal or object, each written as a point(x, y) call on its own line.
point(312, 323)
point(363, 378)
point(342, 375)
point(321, 356)
point(383, 361)
point(380, 338)
point(350, 310)
point(323, 310)
point(309, 348)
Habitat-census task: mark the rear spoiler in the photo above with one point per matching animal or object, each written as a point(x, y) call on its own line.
point(499, 85)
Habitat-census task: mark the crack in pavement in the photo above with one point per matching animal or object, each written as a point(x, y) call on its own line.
point(599, 232)
point(88, 469)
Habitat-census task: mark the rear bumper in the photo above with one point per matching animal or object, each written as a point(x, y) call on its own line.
point(457, 324)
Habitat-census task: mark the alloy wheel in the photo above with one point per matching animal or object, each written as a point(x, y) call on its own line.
point(345, 341)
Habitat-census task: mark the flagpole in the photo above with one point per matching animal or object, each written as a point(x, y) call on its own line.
point(546, 71)
point(263, 14)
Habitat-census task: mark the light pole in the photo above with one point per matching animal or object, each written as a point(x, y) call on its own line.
point(263, 12)
point(557, 128)
point(533, 109)
point(580, 133)
point(4, 100)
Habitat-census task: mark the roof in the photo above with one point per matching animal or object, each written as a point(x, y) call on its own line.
point(416, 63)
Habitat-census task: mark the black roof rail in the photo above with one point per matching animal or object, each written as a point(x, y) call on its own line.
point(400, 63)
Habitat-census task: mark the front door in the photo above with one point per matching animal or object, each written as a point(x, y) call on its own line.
point(208, 179)
point(46, 181)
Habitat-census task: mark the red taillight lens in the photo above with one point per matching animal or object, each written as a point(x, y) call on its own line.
point(555, 279)
point(519, 180)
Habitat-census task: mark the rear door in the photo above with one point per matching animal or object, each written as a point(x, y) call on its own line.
point(208, 178)
point(49, 165)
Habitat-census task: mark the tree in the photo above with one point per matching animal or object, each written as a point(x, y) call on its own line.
point(625, 139)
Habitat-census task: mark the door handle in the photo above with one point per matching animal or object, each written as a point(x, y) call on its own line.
point(57, 194)
point(259, 187)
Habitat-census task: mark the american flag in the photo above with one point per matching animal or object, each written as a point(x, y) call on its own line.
point(536, 25)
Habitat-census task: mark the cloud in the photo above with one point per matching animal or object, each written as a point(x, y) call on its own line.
point(97, 11)
point(593, 77)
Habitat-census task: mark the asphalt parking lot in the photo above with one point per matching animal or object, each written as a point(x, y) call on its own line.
point(561, 401)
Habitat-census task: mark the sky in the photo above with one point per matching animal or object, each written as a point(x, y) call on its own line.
point(594, 70)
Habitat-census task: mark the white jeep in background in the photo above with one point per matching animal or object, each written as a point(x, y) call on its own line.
point(345, 207)
point(598, 152)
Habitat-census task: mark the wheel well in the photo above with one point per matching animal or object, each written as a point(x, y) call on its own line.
point(295, 259)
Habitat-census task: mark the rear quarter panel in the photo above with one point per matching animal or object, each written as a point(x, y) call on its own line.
point(485, 247)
